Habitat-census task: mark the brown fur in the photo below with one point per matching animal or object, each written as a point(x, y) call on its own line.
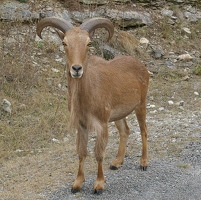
point(103, 91)
point(108, 91)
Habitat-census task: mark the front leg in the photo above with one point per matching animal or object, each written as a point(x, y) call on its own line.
point(77, 185)
point(100, 181)
point(82, 141)
point(101, 143)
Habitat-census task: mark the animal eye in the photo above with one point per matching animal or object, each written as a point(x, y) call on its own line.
point(89, 44)
point(64, 44)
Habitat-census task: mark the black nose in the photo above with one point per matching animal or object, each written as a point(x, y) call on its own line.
point(76, 68)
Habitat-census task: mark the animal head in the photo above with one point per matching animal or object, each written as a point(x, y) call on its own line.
point(76, 40)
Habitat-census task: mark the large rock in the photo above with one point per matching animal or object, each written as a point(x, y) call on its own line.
point(22, 12)
point(192, 14)
point(81, 16)
point(101, 2)
point(97, 2)
point(159, 3)
point(129, 18)
point(15, 11)
point(123, 19)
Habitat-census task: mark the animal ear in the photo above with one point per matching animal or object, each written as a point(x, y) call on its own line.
point(60, 34)
point(91, 34)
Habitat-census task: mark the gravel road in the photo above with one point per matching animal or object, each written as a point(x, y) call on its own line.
point(175, 176)
point(163, 180)
point(174, 170)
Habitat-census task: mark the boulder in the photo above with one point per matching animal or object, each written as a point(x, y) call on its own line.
point(129, 18)
point(96, 2)
point(101, 2)
point(22, 12)
point(192, 17)
point(14, 11)
point(82, 16)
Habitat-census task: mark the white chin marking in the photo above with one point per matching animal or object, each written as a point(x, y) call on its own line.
point(76, 76)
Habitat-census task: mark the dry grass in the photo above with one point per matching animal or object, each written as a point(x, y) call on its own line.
point(127, 42)
point(36, 106)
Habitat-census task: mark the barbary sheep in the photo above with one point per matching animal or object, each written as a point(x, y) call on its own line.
point(100, 91)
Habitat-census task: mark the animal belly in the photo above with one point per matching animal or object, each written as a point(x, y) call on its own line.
point(119, 113)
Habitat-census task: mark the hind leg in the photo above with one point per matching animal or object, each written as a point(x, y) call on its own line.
point(141, 116)
point(124, 133)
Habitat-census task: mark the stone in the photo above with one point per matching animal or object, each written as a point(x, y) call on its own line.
point(59, 60)
point(152, 106)
point(170, 102)
point(49, 9)
point(16, 11)
point(55, 140)
point(129, 18)
point(6, 106)
point(153, 112)
point(102, 2)
point(18, 151)
point(187, 30)
point(121, 1)
point(161, 109)
point(169, 64)
point(167, 13)
point(55, 70)
point(156, 52)
point(64, 14)
point(81, 16)
point(62, 87)
point(96, 2)
point(185, 78)
point(191, 17)
point(144, 41)
point(192, 14)
point(181, 103)
point(21, 12)
point(185, 57)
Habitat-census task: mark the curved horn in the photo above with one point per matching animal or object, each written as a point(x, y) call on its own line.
point(58, 23)
point(94, 23)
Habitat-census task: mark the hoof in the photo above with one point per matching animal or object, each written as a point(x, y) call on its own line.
point(143, 168)
point(98, 192)
point(75, 190)
point(113, 167)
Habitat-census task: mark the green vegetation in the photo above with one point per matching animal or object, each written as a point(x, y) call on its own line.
point(184, 166)
point(197, 71)
point(23, 1)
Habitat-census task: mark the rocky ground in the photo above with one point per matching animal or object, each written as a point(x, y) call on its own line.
point(175, 161)
point(37, 154)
